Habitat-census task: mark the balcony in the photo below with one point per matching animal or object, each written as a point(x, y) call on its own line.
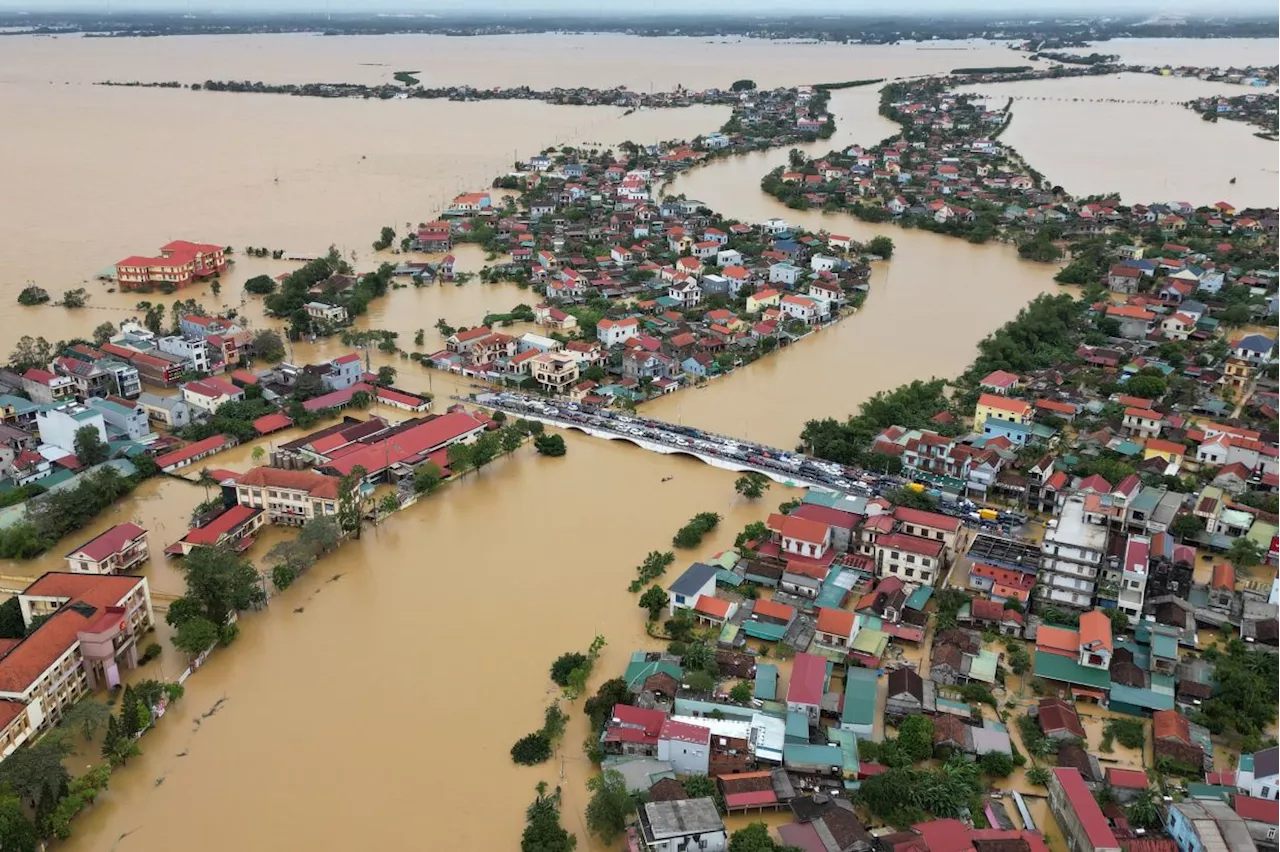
point(1057, 581)
point(1071, 569)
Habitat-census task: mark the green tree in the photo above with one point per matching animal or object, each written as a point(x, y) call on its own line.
point(196, 635)
point(351, 501)
point(261, 285)
point(282, 576)
point(11, 623)
point(1243, 553)
point(361, 399)
point(17, 834)
point(655, 600)
point(754, 838)
point(1186, 525)
point(485, 449)
point(564, 666)
point(752, 485)
point(220, 583)
point(33, 295)
point(1039, 776)
point(512, 438)
point(742, 692)
point(104, 332)
point(388, 504)
point(531, 749)
point(1146, 386)
point(386, 375)
point(700, 682)
point(882, 246)
point(427, 478)
point(268, 346)
point(35, 774)
point(754, 531)
point(610, 807)
point(460, 457)
point(550, 445)
point(89, 447)
point(87, 715)
point(915, 737)
point(996, 764)
point(542, 831)
point(1144, 811)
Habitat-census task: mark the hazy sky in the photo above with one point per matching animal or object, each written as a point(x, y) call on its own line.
point(671, 6)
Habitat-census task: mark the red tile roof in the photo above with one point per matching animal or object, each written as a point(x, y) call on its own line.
point(190, 451)
point(423, 438)
point(208, 534)
point(826, 515)
point(1224, 576)
point(910, 544)
point(712, 606)
point(31, 657)
point(1170, 725)
point(1054, 714)
point(801, 529)
point(773, 609)
point(1058, 640)
point(1127, 779)
point(315, 484)
point(923, 518)
point(1259, 810)
point(269, 423)
point(111, 541)
point(1095, 627)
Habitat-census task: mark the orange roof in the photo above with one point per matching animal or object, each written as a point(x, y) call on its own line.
point(1004, 403)
point(1058, 640)
point(1170, 725)
point(712, 606)
point(315, 484)
point(1224, 577)
point(1130, 312)
point(1158, 445)
point(31, 657)
point(1142, 413)
point(771, 609)
point(838, 622)
point(1095, 627)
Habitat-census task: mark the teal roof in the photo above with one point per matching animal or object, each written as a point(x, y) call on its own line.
point(694, 707)
point(797, 727)
point(1147, 500)
point(983, 666)
point(766, 682)
point(1054, 667)
point(762, 630)
point(859, 697)
point(1163, 645)
point(919, 598)
point(1245, 763)
point(638, 671)
point(1127, 448)
point(728, 578)
point(1146, 699)
point(807, 755)
point(1209, 791)
point(19, 404)
point(848, 743)
point(729, 633)
point(953, 708)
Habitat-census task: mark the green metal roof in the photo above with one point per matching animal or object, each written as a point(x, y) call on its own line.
point(807, 755)
point(725, 577)
point(1261, 534)
point(848, 743)
point(766, 682)
point(1209, 791)
point(983, 667)
point(694, 707)
point(638, 671)
point(729, 633)
point(763, 630)
point(797, 726)
point(859, 697)
point(1054, 667)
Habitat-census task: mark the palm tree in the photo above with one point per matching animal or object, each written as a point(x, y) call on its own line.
point(206, 481)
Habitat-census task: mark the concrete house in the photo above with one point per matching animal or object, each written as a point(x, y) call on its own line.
point(683, 824)
point(808, 685)
point(686, 746)
point(697, 580)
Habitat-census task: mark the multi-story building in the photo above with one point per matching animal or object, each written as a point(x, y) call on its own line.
point(207, 395)
point(116, 551)
point(1082, 822)
point(47, 388)
point(91, 631)
point(910, 558)
point(58, 426)
point(1004, 568)
point(193, 352)
point(180, 262)
point(995, 407)
point(288, 496)
point(1129, 579)
point(153, 366)
point(125, 419)
point(1207, 826)
point(172, 411)
point(555, 371)
point(1073, 553)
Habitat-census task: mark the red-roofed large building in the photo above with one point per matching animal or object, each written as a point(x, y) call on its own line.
point(180, 262)
point(192, 453)
point(235, 528)
point(1078, 815)
point(404, 449)
point(116, 551)
point(91, 630)
point(800, 536)
point(288, 496)
point(924, 524)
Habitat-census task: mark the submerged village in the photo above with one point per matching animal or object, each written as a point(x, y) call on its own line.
point(1032, 607)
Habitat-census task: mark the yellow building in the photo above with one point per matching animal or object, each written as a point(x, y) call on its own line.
point(757, 302)
point(1167, 450)
point(995, 407)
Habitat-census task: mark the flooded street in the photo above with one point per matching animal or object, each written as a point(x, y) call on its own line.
point(382, 692)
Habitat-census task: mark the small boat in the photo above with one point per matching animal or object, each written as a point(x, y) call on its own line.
point(667, 478)
point(1233, 180)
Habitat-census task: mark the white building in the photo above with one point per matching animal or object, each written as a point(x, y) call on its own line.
point(129, 422)
point(1073, 551)
point(194, 353)
point(683, 826)
point(326, 312)
point(613, 332)
point(728, 257)
point(686, 746)
point(784, 273)
point(58, 426)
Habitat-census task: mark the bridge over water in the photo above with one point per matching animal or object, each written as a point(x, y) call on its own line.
point(722, 451)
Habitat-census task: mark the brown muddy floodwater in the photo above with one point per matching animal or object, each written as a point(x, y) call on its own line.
point(376, 700)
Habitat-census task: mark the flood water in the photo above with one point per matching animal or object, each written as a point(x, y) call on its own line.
point(377, 699)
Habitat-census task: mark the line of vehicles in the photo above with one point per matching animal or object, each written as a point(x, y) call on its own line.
point(848, 479)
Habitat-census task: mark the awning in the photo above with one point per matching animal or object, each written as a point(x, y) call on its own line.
point(1078, 692)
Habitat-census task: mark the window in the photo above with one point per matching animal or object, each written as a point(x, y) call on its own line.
point(911, 559)
point(911, 572)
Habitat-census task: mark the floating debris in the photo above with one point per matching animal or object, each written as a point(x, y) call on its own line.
point(217, 705)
